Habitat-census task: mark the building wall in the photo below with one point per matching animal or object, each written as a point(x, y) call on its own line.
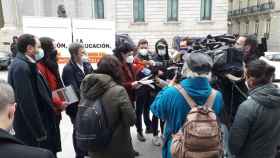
point(1, 16)
point(273, 15)
point(156, 25)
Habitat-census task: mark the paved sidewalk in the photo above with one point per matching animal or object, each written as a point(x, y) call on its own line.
point(146, 149)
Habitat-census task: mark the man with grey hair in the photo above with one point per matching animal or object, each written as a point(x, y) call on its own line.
point(171, 106)
point(73, 74)
point(10, 146)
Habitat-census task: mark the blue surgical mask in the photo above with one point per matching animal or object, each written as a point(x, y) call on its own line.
point(39, 55)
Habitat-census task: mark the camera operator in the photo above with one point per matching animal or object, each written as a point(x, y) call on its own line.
point(249, 46)
point(184, 47)
point(161, 73)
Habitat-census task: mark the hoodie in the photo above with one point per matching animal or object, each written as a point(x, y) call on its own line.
point(170, 106)
point(256, 128)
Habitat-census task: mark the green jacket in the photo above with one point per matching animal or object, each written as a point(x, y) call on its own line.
point(119, 111)
point(256, 129)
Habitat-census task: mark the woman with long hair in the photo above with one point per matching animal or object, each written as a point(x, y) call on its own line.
point(106, 84)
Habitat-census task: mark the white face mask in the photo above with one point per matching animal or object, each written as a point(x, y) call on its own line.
point(161, 52)
point(130, 59)
point(143, 52)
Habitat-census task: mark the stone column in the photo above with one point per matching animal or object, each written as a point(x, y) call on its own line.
point(10, 13)
point(11, 23)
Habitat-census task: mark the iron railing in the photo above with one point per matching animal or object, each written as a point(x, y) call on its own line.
point(252, 9)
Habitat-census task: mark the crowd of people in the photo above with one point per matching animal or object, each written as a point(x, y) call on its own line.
point(30, 114)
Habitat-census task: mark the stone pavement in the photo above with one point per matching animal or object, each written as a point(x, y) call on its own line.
point(146, 149)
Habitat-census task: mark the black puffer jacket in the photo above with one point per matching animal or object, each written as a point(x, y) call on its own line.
point(256, 129)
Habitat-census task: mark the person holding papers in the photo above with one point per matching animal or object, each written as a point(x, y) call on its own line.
point(73, 74)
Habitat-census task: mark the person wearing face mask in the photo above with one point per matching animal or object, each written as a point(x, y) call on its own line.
point(255, 130)
point(48, 67)
point(160, 55)
point(73, 74)
point(35, 118)
point(12, 147)
point(124, 53)
point(181, 47)
point(143, 66)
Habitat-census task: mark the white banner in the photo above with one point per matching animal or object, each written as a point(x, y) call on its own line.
point(97, 36)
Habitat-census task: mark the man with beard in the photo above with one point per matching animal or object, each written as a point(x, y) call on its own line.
point(249, 46)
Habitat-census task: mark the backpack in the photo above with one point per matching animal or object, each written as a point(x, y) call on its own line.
point(200, 136)
point(92, 127)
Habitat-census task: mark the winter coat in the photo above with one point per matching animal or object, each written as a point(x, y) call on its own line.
point(13, 49)
point(256, 128)
point(10, 147)
point(167, 74)
point(119, 111)
point(171, 106)
point(53, 81)
point(128, 78)
point(73, 75)
point(35, 118)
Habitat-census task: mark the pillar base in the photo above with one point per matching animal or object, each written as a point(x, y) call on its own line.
point(6, 34)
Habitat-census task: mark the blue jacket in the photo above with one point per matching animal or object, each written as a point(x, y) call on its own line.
point(171, 107)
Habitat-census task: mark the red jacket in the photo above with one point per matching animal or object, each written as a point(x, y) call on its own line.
point(52, 82)
point(128, 78)
point(138, 65)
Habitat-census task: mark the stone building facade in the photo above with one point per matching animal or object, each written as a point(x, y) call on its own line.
point(260, 17)
point(149, 19)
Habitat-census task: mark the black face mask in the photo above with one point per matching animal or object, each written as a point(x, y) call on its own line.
point(53, 55)
point(51, 61)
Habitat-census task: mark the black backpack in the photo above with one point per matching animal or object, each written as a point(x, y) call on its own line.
point(92, 128)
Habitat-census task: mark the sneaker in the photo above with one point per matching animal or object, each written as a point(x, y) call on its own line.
point(140, 137)
point(156, 141)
